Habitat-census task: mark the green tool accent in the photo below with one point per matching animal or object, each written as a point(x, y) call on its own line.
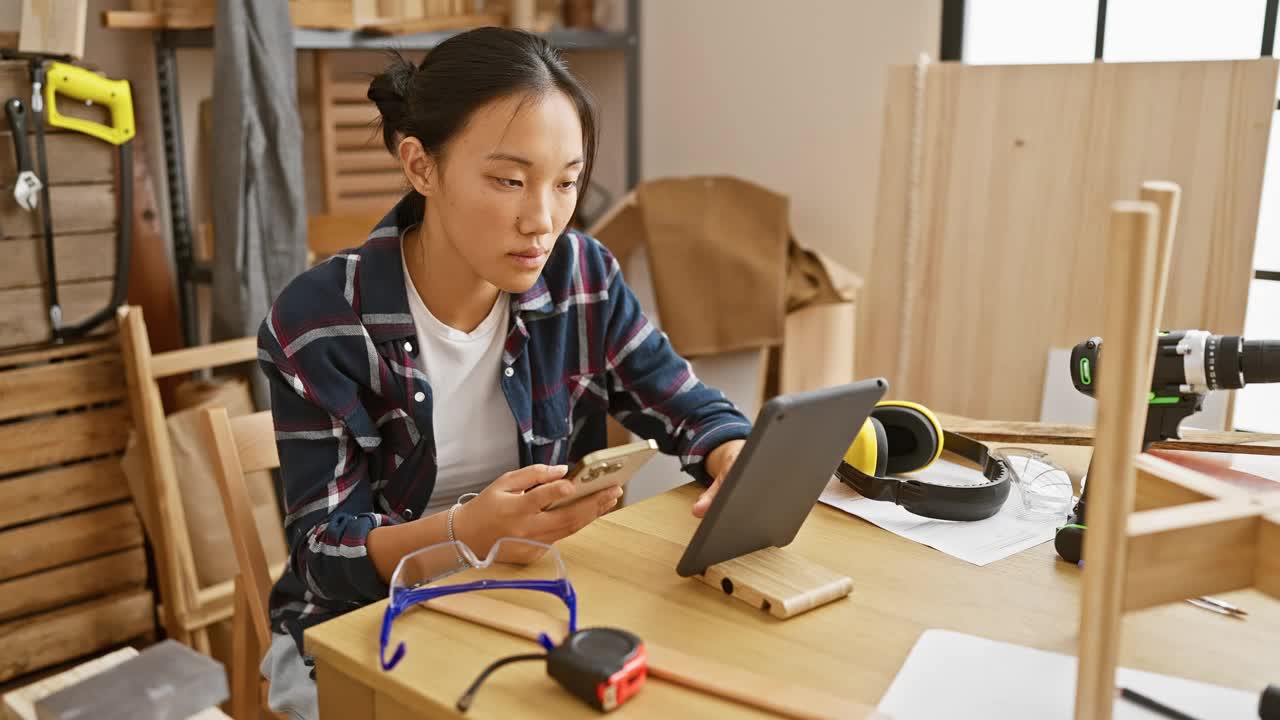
point(1153, 400)
point(1086, 377)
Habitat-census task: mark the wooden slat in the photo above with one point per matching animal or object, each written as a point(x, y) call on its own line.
point(78, 348)
point(329, 234)
point(368, 204)
point(434, 24)
point(1268, 574)
point(53, 26)
point(24, 319)
point(34, 643)
point(49, 441)
point(68, 539)
point(358, 138)
point(255, 442)
point(54, 588)
point(328, 133)
point(348, 91)
point(72, 157)
point(1161, 483)
point(371, 183)
point(1013, 189)
point(79, 256)
point(1034, 433)
point(374, 158)
point(142, 20)
point(213, 355)
point(1189, 550)
point(1122, 408)
point(354, 115)
point(57, 386)
point(76, 209)
point(67, 489)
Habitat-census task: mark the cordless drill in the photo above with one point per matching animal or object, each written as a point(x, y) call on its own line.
point(1188, 364)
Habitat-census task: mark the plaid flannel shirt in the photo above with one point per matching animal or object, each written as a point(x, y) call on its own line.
point(353, 413)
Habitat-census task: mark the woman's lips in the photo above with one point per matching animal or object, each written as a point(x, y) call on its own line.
point(528, 259)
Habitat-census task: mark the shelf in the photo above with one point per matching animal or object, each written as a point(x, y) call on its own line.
point(316, 39)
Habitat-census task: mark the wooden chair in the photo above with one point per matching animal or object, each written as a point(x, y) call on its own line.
point(241, 445)
point(1158, 532)
point(187, 609)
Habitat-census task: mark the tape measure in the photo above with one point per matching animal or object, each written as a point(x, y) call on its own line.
point(603, 667)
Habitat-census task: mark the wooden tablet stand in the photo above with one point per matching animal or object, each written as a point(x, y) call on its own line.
point(778, 582)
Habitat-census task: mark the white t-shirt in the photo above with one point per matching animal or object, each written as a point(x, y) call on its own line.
point(475, 430)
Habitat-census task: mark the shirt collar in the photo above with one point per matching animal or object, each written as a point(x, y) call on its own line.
point(383, 298)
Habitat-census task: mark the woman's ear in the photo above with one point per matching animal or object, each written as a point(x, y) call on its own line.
point(418, 166)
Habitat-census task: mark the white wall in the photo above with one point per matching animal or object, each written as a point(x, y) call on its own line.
point(789, 95)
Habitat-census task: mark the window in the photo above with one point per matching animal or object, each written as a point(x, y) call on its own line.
point(1063, 31)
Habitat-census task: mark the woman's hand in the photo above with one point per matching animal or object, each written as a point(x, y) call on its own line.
point(512, 506)
point(718, 464)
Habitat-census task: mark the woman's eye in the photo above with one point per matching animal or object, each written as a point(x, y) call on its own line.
point(508, 182)
point(568, 184)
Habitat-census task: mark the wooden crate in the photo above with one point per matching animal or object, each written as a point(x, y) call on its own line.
point(73, 570)
point(85, 209)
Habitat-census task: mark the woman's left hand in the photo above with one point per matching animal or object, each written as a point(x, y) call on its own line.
point(718, 464)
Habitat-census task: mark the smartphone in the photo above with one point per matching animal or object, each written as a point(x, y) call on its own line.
point(604, 469)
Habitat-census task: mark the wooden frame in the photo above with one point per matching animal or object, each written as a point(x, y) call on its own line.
point(242, 445)
point(1194, 535)
point(187, 609)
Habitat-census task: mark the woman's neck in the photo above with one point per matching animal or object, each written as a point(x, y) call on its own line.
point(450, 289)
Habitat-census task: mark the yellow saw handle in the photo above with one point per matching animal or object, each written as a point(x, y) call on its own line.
point(84, 85)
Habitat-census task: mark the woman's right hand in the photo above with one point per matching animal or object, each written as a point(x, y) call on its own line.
point(513, 506)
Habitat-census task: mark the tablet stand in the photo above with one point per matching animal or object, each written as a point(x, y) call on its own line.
point(778, 582)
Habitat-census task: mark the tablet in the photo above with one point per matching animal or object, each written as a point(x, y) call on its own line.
point(796, 444)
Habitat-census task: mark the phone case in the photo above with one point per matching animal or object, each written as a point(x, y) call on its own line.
point(607, 468)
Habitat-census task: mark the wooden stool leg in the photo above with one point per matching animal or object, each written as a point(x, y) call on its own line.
point(245, 679)
point(1122, 405)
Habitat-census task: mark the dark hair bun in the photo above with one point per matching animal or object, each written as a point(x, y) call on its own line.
point(389, 91)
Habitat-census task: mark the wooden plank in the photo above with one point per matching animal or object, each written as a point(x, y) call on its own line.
point(58, 386)
point(358, 137)
point(374, 158)
point(1122, 408)
point(328, 129)
point(329, 234)
point(76, 348)
point(20, 703)
point(72, 632)
point(182, 19)
point(371, 183)
point(995, 145)
point(24, 319)
point(1268, 573)
point(53, 26)
point(73, 158)
point(439, 23)
point(49, 441)
point(76, 209)
point(79, 256)
point(68, 539)
point(36, 496)
point(213, 355)
point(1161, 483)
point(348, 91)
point(368, 204)
point(78, 581)
point(1187, 551)
point(1034, 433)
point(354, 115)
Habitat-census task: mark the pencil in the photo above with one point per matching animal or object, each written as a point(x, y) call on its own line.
point(1153, 705)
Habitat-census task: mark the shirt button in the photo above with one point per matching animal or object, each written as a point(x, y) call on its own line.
point(508, 372)
point(408, 347)
point(419, 396)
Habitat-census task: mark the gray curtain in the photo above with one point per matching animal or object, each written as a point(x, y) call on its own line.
point(259, 206)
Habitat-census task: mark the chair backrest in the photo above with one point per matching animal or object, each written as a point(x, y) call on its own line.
point(242, 445)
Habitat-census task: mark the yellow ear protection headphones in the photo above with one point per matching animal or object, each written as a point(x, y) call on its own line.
point(903, 437)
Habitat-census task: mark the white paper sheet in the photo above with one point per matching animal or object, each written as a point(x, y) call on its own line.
point(979, 542)
point(961, 677)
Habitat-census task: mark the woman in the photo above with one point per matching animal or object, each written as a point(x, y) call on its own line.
point(471, 345)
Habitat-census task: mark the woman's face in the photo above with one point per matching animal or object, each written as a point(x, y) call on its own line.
point(508, 186)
